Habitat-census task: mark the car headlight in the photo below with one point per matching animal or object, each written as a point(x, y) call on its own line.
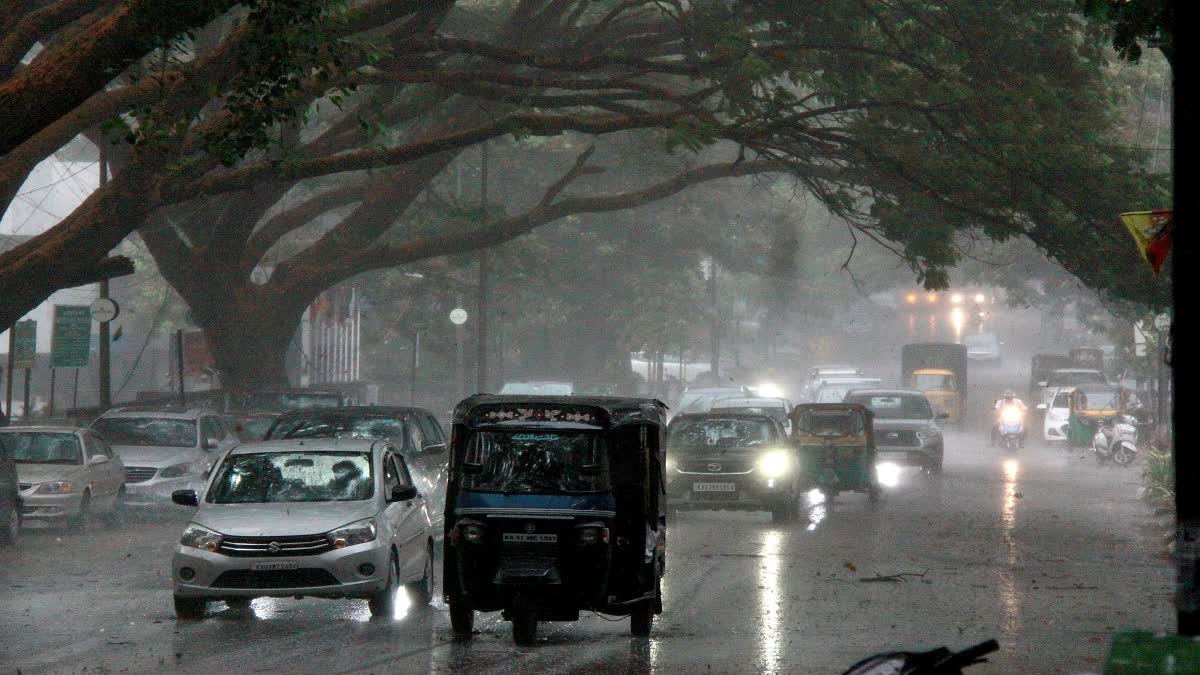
point(359, 532)
point(202, 538)
point(176, 470)
point(58, 487)
point(927, 435)
point(775, 463)
point(470, 531)
point(672, 465)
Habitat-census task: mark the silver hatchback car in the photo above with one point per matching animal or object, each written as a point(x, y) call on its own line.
point(331, 518)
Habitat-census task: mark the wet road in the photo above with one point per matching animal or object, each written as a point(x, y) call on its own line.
point(1046, 552)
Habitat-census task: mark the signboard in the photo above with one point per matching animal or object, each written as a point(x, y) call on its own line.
point(197, 359)
point(71, 341)
point(105, 310)
point(24, 344)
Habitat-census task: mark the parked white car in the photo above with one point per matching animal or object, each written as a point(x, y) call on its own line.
point(1057, 413)
point(66, 476)
point(331, 518)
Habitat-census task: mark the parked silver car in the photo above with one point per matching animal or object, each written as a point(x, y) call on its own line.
point(66, 475)
point(163, 450)
point(332, 518)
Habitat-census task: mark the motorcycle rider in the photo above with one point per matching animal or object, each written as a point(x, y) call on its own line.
point(1006, 400)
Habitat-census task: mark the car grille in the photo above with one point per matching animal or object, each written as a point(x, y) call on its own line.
point(725, 466)
point(139, 474)
point(24, 486)
point(894, 438)
point(301, 578)
point(260, 547)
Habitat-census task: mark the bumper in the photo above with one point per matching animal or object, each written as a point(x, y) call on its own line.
point(334, 574)
point(50, 507)
point(1056, 432)
point(157, 492)
point(728, 491)
point(906, 455)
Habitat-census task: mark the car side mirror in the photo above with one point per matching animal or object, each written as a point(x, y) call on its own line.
point(185, 498)
point(98, 459)
point(1041, 406)
point(208, 444)
point(403, 493)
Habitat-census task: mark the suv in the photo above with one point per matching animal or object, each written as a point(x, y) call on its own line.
point(163, 449)
point(733, 461)
point(415, 431)
point(906, 428)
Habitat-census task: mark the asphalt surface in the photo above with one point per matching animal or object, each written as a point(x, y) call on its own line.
point(1045, 551)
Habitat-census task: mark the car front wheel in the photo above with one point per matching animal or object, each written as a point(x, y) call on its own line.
point(12, 527)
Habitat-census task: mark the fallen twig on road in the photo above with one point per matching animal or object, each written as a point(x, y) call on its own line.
point(893, 578)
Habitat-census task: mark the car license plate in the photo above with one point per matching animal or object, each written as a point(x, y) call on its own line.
point(522, 538)
point(274, 566)
point(714, 487)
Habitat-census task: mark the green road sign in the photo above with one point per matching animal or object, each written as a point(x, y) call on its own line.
point(71, 342)
point(24, 344)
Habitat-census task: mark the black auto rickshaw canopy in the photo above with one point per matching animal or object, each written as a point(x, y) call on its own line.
point(854, 420)
point(601, 412)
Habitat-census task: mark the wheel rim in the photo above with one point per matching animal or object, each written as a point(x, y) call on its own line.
point(14, 524)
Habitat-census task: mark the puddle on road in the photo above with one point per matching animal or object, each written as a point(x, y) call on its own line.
point(770, 600)
point(1010, 599)
point(817, 508)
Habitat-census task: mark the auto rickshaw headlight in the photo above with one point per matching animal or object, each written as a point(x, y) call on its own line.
point(672, 464)
point(472, 533)
point(775, 463)
point(591, 534)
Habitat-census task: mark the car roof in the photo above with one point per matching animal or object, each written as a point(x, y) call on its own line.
point(310, 445)
point(158, 411)
point(1076, 370)
point(736, 403)
point(58, 429)
point(886, 392)
point(933, 371)
point(356, 410)
point(722, 415)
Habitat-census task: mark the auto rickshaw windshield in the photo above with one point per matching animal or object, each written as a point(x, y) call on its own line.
point(1098, 400)
point(536, 462)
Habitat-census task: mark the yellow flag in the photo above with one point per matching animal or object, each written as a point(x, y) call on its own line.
point(1152, 230)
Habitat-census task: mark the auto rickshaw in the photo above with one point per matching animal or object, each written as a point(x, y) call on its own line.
point(837, 447)
point(1092, 403)
point(555, 504)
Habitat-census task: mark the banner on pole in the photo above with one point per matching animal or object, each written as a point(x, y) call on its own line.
point(1152, 231)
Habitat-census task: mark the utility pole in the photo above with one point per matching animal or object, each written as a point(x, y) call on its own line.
point(459, 337)
point(481, 333)
point(12, 361)
point(715, 353)
point(179, 365)
point(105, 356)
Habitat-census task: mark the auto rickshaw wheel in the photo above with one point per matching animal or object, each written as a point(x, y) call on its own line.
point(641, 620)
point(524, 626)
point(462, 619)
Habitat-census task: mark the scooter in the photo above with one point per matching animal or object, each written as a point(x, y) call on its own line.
point(940, 661)
point(1116, 440)
point(1011, 428)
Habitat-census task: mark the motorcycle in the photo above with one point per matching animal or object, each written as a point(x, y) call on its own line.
point(940, 661)
point(1116, 440)
point(1011, 427)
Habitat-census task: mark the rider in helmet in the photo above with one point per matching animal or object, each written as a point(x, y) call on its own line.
point(1008, 398)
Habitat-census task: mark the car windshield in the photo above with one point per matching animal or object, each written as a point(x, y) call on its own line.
point(1069, 378)
point(148, 431)
point(980, 340)
point(832, 393)
point(933, 382)
point(280, 402)
point(539, 462)
point(776, 411)
point(316, 425)
point(832, 423)
point(718, 432)
point(266, 477)
point(1062, 400)
point(894, 406)
point(44, 447)
point(250, 428)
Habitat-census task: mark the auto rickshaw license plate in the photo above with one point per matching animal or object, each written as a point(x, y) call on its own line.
point(714, 487)
point(522, 538)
